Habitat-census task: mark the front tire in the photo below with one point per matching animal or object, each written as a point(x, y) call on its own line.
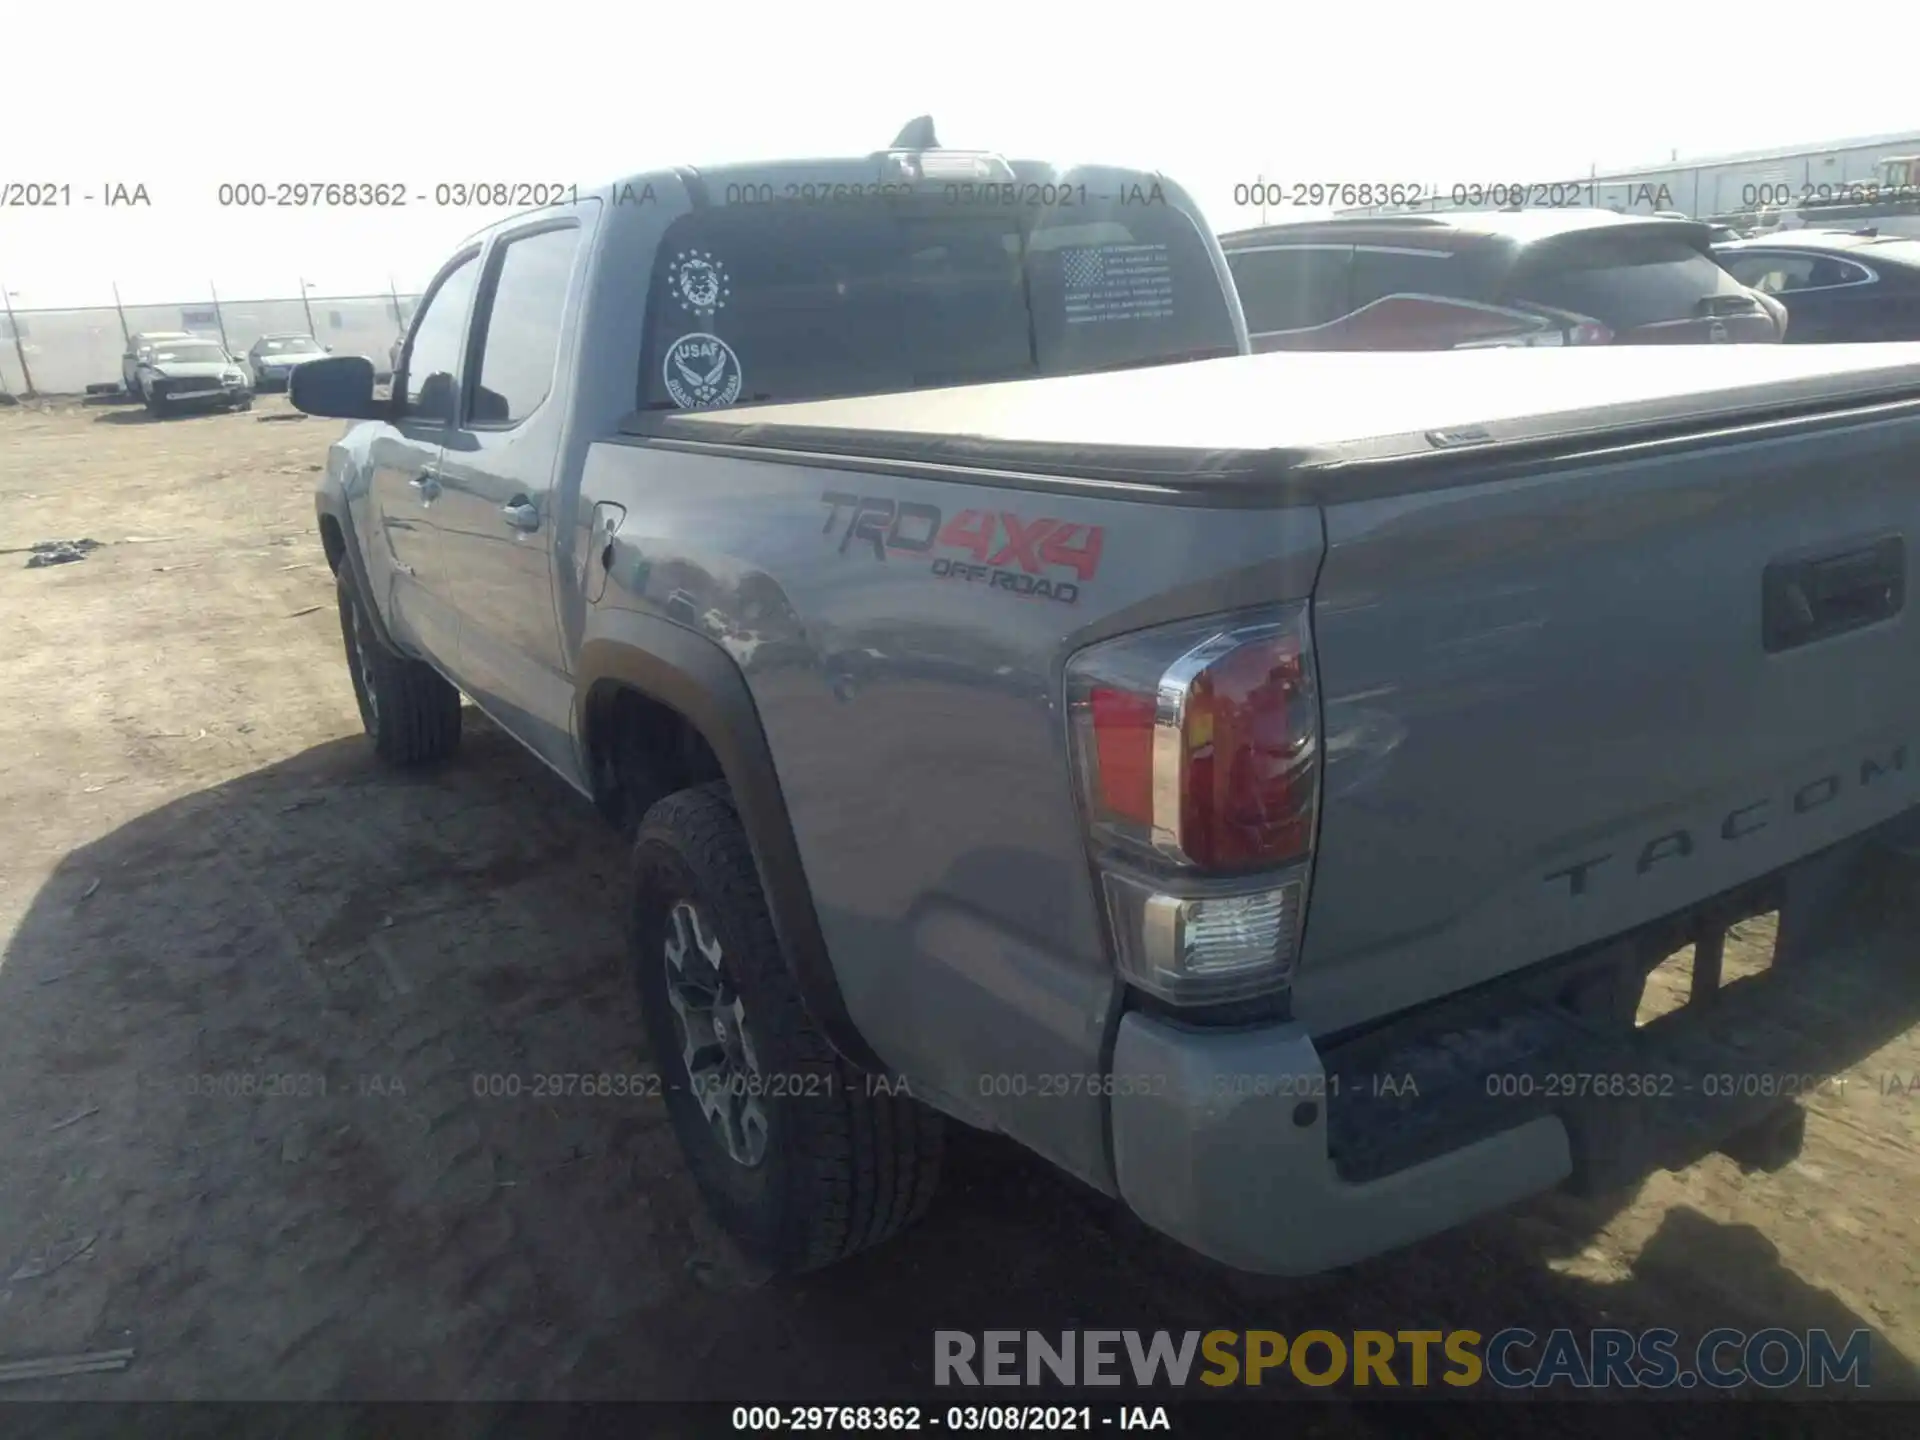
point(155, 407)
point(802, 1158)
point(410, 712)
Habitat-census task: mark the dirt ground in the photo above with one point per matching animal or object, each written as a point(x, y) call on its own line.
point(204, 878)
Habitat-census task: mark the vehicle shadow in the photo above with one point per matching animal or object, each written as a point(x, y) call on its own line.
point(325, 1082)
point(144, 416)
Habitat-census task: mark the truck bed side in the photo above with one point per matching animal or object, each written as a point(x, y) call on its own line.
point(913, 714)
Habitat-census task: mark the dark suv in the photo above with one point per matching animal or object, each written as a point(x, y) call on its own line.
point(1470, 279)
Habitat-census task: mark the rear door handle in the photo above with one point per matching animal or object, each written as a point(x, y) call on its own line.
point(427, 487)
point(521, 515)
point(1807, 599)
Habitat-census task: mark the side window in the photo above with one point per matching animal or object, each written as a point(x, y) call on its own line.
point(1775, 273)
point(522, 325)
point(1291, 287)
point(1827, 271)
point(433, 360)
point(1380, 273)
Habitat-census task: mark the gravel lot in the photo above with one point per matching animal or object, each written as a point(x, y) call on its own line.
point(204, 874)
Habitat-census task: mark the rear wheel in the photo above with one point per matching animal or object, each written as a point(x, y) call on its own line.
point(801, 1157)
point(409, 710)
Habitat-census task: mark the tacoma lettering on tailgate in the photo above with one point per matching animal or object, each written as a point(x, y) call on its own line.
point(997, 548)
point(1738, 822)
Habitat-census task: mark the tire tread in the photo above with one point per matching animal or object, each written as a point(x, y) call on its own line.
point(419, 711)
point(870, 1163)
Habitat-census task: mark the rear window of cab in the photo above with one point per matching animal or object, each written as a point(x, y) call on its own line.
point(759, 303)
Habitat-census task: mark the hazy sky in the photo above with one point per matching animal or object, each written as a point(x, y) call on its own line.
point(572, 90)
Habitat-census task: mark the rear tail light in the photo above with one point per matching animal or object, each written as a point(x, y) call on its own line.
point(1196, 751)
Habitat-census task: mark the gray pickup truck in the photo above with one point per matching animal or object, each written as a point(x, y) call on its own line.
point(1032, 710)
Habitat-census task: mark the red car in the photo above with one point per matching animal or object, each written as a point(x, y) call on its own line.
point(1462, 280)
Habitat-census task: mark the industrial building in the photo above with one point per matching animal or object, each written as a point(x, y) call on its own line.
point(1717, 186)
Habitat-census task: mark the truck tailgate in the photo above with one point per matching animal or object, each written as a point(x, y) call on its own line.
point(1558, 705)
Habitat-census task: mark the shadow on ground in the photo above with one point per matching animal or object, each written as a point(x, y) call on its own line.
point(286, 1060)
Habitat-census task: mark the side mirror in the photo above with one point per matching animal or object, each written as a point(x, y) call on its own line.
point(338, 388)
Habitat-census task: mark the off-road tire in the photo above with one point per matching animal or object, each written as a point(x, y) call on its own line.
point(411, 713)
point(847, 1165)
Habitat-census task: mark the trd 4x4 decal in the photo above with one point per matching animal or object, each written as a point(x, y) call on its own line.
point(998, 548)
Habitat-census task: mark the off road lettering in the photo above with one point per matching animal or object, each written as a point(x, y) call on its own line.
point(1003, 550)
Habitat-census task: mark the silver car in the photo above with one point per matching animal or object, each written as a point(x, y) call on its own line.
point(136, 345)
point(274, 358)
point(177, 374)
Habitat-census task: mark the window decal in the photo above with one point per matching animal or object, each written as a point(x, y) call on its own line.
point(1117, 282)
point(700, 283)
point(701, 371)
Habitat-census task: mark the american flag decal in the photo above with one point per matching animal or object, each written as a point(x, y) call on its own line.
point(1083, 269)
point(1117, 282)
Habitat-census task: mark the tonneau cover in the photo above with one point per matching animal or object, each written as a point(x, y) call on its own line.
point(1288, 417)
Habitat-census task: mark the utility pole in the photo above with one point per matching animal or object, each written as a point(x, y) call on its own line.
point(13, 327)
point(126, 335)
point(219, 319)
point(307, 307)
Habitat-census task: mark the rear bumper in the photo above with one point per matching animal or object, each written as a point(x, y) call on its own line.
point(1215, 1153)
point(1267, 1153)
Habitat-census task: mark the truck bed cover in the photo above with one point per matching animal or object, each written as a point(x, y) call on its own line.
point(1319, 426)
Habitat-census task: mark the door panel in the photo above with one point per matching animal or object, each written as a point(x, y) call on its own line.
point(406, 486)
point(404, 556)
point(497, 518)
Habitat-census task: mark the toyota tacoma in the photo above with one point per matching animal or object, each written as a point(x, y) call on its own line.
point(1032, 710)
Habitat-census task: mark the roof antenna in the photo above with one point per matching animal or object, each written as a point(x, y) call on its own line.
point(916, 134)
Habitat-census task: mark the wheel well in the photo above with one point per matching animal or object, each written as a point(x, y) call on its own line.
point(333, 541)
point(639, 750)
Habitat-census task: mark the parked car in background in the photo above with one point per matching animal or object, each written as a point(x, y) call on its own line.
point(272, 359)
point(1838, 286)
point(191, 373)
point(1463, 280)
point(130, 362)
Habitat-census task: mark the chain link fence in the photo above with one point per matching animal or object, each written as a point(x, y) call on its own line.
point(63, 352)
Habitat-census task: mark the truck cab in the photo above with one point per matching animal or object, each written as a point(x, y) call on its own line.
point(912, 268)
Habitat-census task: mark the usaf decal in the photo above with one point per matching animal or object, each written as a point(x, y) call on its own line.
point(701, 371)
